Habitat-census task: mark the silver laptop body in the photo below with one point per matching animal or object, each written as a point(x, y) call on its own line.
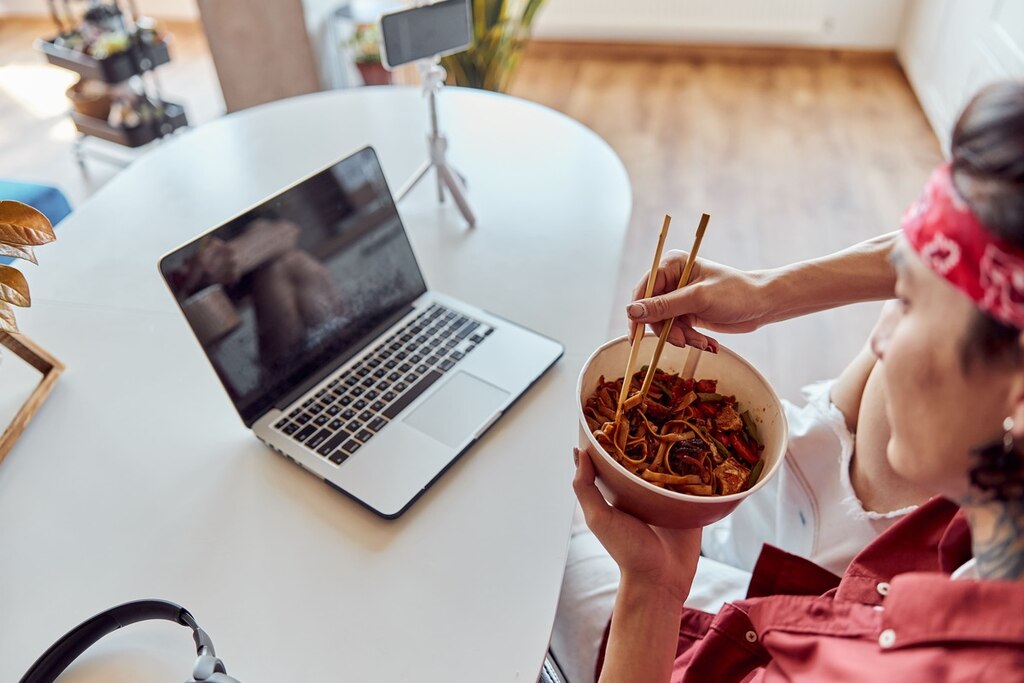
point(313, 312)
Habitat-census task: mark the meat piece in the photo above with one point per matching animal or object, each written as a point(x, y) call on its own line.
point(728, 420)
point(731, 476)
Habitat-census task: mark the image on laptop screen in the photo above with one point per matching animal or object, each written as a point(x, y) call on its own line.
point(295, 284)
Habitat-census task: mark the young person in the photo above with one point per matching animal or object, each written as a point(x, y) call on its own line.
point(939, 594)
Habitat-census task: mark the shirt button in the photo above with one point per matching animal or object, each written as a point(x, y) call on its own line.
point(887, 638)
point(882, 588)
point(751, 637)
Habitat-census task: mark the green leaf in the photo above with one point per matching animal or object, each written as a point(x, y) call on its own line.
point(13, 287)
point(23, 225)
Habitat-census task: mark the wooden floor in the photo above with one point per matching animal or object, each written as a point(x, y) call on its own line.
point(793, 153)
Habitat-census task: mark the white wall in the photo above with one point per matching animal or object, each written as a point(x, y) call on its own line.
point(951, 48)
point(861, 24)
point(165, 9)
point(865, 24)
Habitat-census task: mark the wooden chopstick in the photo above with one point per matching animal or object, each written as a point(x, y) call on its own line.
point(638, 333)
point(683, 280)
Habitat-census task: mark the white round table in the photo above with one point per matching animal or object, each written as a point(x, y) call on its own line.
point(137, 479)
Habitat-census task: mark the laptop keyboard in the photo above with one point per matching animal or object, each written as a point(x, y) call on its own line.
point(355, 405)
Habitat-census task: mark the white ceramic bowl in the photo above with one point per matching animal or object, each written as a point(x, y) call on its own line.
point(659, 506)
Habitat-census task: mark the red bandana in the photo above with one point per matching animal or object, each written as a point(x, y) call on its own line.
point(954, 244)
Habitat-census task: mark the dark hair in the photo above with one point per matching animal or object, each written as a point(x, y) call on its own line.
point(988, 171)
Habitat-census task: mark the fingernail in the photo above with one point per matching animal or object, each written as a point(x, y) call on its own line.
point(636, 310)
point(576, 457)
point(701, 344)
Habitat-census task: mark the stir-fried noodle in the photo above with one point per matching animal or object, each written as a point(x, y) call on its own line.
point(684, 437)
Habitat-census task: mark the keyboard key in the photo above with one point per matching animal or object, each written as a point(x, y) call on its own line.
point(348, 414)
point(458, 355)
point(404, 367)
point(360, 404)
point(351, 446)
point(332, 443)
point(422, 369)
point(383, 386)
point(476, 339)
point(470, 348)
point(344, 400)
point(334, 383)
point(354, 426)
point(320, 393)
point(409, 396)
point(366, 416)
point(369, 382)
point(356, 391)
point(321, 420)
point(380, 372)
point(394, 376)
point(371, 394)
point(335, 425)
point(351, 380)
point(376, 424)
point(378, 406)
point(281, 423)
point(389, 396)
point(401, 355)
point(333, 410)
point(364, 435)
point(316, 409)
point(295, 413)
point(400, 386)
point(337, 457)
point(290, 428)
point(307, 403)
point(373, 362)
point(318, 438)
point(305, 433)
point(304, 418)
point(468, 329)
point(447, 364)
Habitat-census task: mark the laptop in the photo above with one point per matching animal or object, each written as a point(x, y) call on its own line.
point(314, 314)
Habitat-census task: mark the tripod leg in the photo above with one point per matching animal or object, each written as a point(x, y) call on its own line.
point(440, 187)
point(411, 183)
point(445, 174)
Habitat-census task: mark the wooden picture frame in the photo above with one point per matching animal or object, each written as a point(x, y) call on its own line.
point(47, 365)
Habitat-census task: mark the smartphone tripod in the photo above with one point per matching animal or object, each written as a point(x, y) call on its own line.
point(433, 75)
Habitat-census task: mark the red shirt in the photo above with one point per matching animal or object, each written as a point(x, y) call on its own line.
point(894, 616)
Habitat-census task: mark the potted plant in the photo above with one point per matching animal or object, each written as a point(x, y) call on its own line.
point(366, 51)
point(501, 29)
point(22, 228)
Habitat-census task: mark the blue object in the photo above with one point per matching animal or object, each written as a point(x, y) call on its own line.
point(47, 199)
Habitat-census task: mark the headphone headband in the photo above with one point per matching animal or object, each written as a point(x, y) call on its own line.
point(76, 641)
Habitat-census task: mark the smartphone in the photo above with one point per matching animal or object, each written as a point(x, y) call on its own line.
point(441, 28)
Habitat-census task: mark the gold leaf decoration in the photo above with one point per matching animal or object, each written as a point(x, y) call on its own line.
point(22, 225)
point(14, 287)
point(18, 251)
point(7, 322)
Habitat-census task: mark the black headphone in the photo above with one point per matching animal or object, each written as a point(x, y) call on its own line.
point(208, 669)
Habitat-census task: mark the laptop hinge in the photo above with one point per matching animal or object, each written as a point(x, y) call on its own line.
point(332, 365)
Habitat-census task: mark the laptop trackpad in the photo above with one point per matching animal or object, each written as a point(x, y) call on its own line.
point(454, 412)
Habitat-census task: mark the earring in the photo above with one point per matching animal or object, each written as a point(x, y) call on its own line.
point(999, 469)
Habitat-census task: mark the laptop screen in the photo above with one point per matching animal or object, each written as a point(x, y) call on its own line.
point(296, 285)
